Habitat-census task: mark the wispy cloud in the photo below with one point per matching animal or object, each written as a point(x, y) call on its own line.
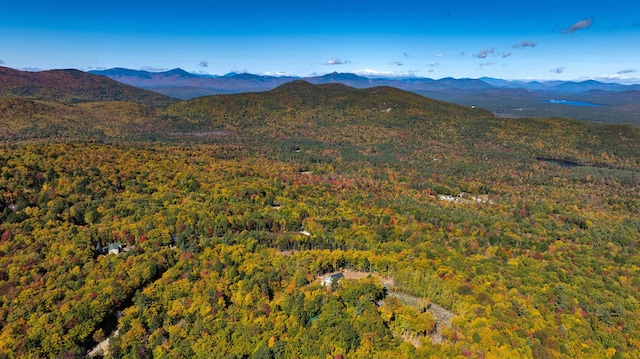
point(558, 70)
point(439, 55)
point(434, 64)
point(153, 69)
point(203, 64)
point(276, 73)
point(580, 25)
point(336, 62)
point(406, 54)
point(397, 63)
point(506, 54)
point(484, 53)
point(1, 62)
point(376, 73)
point(622, 77)
point(525, 43)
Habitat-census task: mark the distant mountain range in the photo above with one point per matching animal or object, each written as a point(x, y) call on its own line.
point(181, 84)
point(561, 86)
point(616, 102)
point(67, 104)
point(62, 105)
point(588, 100)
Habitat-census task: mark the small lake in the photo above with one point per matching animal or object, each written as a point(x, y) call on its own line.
point(571, 103)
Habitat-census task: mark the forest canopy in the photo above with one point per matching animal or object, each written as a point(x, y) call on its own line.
point(222, 226)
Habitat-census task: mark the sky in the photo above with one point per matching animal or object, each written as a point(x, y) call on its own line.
point(513, 40)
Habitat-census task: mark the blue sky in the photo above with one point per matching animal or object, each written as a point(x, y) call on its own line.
point(565, 40)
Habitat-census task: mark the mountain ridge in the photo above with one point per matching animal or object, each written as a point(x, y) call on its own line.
point(463, 83)
point(502, 97)
point(73, 86)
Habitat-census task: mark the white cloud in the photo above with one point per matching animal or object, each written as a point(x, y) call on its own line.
point(153, 69)
point(276, 73)
point(336, 62)
point(620, 77)
point(439, 55)
point(240, 71)
point(376, 73)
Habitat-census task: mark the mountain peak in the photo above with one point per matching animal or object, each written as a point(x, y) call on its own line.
point(297, 86)
point(179, 72)
point(343, 76)
point(381, 104)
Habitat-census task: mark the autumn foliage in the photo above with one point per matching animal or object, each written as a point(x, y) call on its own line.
point(227, 224)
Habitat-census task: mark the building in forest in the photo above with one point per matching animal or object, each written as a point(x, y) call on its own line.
point(112, 248)
point(332, 278)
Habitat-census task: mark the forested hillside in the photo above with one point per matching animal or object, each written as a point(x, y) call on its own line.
point(63, 105)
point(227, 220)
point(73, 86)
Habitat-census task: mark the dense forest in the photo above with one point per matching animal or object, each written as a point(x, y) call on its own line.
point(226, 219)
